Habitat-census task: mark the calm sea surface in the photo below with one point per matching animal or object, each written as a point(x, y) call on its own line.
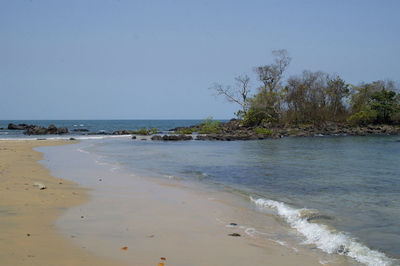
point(342, 194)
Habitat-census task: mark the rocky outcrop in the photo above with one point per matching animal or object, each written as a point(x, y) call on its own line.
point(171, 137)
point(233, 130)
point(12, 126)
point(124, 132)
point(80, 130)
point(52, 129)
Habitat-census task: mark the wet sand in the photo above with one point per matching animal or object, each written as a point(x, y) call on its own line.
point(154, 218)
point(28, 213)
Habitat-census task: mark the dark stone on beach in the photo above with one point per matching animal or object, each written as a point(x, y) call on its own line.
point(233, 224)
point(72, 139)
point(28, 234)
point(82, 217)
point(80, 130)
point(234, 234)
point(133, 137)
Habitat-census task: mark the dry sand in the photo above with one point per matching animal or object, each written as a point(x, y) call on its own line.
point(28, 213)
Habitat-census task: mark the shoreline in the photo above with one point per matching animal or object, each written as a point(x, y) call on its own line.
point(28, 211)
point(154, 218)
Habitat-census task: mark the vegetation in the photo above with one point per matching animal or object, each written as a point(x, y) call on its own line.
point(145, 131)
point(263, 131)
point(310, 98)
point(185, 131)
point(209, 126)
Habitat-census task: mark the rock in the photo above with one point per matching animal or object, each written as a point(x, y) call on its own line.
point(35, 130)
point(172, 137)
point(156, 137)
point(12, 126)
point(234, 234)
point(80, 130)
point(62, 130)
point(52, 129)
point(133, 137)
point(124, 132)
point(72, 139)
point(233, 224)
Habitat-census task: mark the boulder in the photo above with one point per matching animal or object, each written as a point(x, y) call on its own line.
point(12, 126)
point(36, 130)
point(172, 137)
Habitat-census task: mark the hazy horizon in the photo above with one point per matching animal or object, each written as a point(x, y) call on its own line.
point(156, 59)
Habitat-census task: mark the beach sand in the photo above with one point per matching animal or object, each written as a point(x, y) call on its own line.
point(28, 213)
point(153, 219)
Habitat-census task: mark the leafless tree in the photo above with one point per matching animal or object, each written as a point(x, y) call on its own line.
point(271, 75)
point(239, 93)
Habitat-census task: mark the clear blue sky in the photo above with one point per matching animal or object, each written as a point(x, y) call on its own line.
point(156, 59)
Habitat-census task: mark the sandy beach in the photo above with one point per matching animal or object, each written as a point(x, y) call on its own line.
point(28, 213)
point(154, 219)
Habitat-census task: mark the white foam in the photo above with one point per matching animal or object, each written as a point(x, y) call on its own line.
point(322, 237)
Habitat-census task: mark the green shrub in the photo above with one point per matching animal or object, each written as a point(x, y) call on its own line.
point(185, 131)
point(209, 126)
point(363, 117)
point(146, 132)
point(263, 131)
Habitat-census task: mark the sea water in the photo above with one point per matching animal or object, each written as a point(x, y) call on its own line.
point(340, 194)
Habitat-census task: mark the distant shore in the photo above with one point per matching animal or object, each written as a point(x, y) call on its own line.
point(30, 202)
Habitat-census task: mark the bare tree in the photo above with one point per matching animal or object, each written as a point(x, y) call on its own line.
point(238, 94)
point(271, 75)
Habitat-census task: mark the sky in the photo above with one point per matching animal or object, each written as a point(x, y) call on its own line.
point(157, 59)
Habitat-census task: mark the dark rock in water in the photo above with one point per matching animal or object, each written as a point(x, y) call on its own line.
point(133, 137)
point(12, 126)
point(171, 137)
point(80, 130)
point(35, 130)
point(124, 132)
point(234, 234)
point(72, 139)
point(62, 130)
point(52, 129)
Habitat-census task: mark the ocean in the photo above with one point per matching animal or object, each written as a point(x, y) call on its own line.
point(340, 194)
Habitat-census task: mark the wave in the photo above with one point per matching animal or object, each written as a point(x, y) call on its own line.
point(322, 236)
point(67, 137)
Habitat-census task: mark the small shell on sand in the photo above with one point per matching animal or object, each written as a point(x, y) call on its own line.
point(39, 185)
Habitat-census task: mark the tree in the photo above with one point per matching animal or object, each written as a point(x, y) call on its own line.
point(238, 94)
point(266, 105)
point(337, 90)
point(384, 103)
point(271, 75)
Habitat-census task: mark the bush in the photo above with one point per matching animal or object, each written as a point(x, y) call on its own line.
point(363, 117)
point(263, 131)
point(146, 132)
point(208, 126)
point(185, 131)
